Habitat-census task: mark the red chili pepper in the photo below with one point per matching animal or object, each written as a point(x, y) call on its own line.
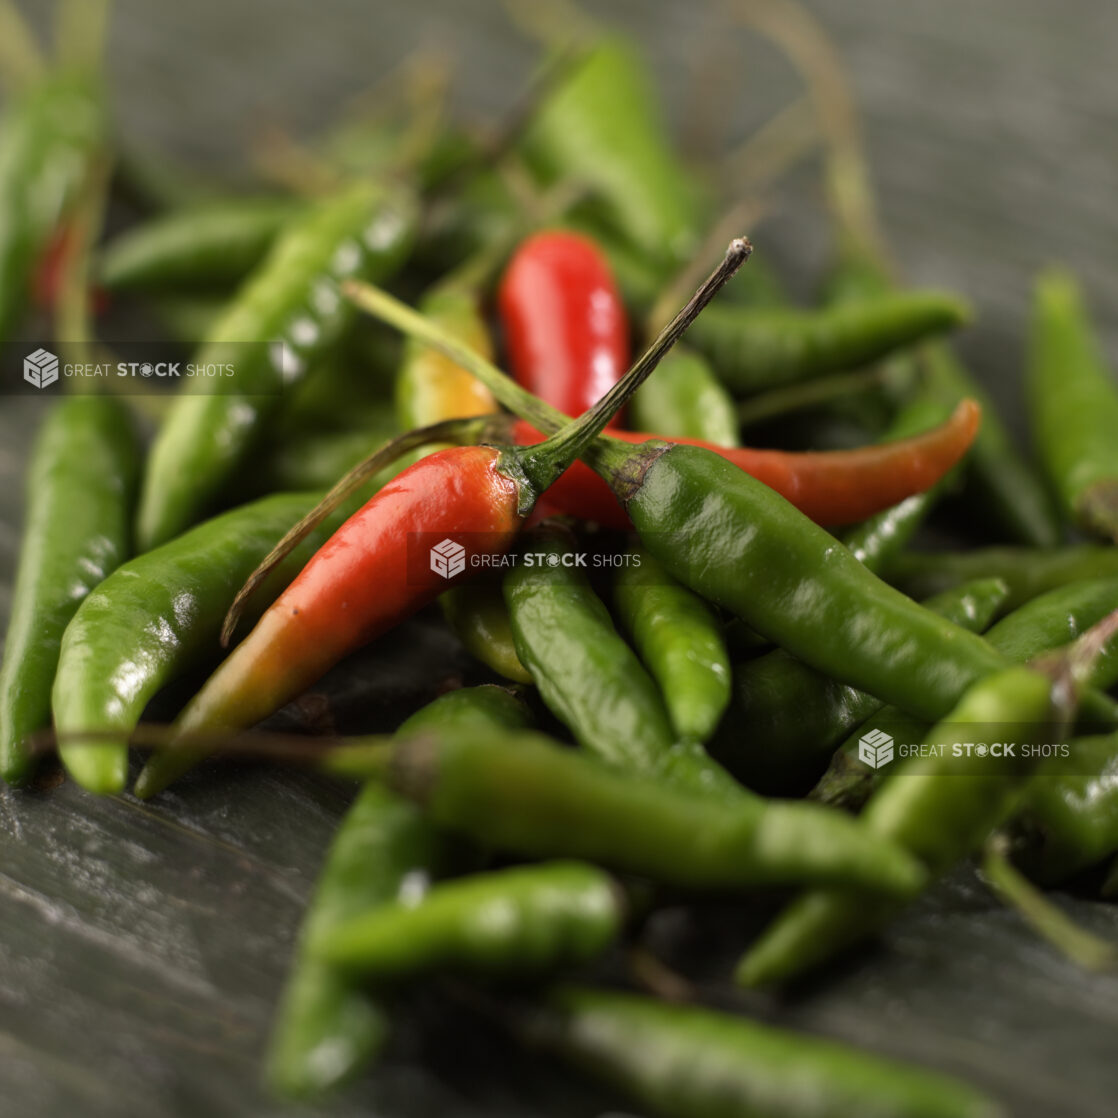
point(365, 578)
point(565, 326)
point(832, 487)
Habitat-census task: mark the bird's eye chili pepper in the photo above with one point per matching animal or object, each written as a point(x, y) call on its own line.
point(684, 1061)
point(1028, 572)
point(552, 915)
point(786, 718)
point(754, 349)
point(524, 794)
point(565, 327)
point(1043, 624)
point(1069, 821)
point(327, 1028)
point(80, 500)
point(154, 619)
point(707, 521)
point(364, 579)
point(600, 127)
point(51, 133)
point(1073, 406)
point(680, 640)
point(831, 487)
point(282, 319)
point(686, 400)
point(480, 620)
point(213, 244)
point(939, 808)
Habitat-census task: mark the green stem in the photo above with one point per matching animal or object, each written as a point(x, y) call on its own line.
point(21, 60)
point(1080, 946)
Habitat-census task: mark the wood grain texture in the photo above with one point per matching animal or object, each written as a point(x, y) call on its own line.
point(142, 946)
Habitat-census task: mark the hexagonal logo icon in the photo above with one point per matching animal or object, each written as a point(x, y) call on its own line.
point(40, 368)
point(448, 558)
point(875, 748)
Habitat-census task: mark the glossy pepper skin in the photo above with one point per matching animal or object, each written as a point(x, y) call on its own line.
point(754, 349)
point(327, 1027)
point(742, 546)
point(81, 488)
point(940, 809)
point(787, 718)
point(480, 619)
point(208, 245)
point(565, 328)
point(683, 1061)
point(50, 133)
point(1027, 572)
point(1073, 407)
point(831, 487)
point(154, 619)
point(283, 317)
point(686, 400)
point(526, 921)
point(524, 794)
point(366, 578)
point(680, 641)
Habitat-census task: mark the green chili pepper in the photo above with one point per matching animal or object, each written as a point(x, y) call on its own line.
point(80, 496)
point(938, 808)
point(588, 676)
point(787, 718)
point(1026, 571)
point(600, 127)
point(522, 793)
point(215, 244)
point(513, 922)
point(1070, 819)
point(753, 349)
point(1073, 405)
point(326, 1027)
point(48, 139)
point(743, 547)
point(291, 298)
point(1042, 625)
point(680, 641)
point(157, 617)
point(683, 1061)
point(683, 398)
point(480, 619)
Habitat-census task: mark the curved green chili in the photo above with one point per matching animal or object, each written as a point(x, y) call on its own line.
point(292, 298)
point(679, 639)
point(529, 920)
point(685, 1061)
point(1073, 405)
point(155, 618)
point(80, 495)
point(480, 619)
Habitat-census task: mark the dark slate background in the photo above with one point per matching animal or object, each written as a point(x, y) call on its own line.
point(142, 946)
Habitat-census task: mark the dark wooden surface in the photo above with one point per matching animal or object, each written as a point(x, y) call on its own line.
point(142, 946)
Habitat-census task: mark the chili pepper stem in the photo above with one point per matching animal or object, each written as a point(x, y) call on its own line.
point(1075, 943)
point(1098, 508)
point(543, 464)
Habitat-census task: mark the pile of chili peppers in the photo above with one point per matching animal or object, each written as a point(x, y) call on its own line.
point(687, 582)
